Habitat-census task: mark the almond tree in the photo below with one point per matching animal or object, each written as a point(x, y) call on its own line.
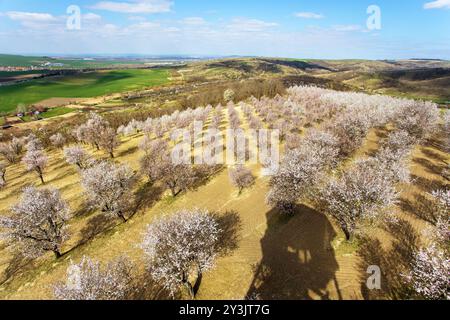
point(177, 177)
point(37, 223)
point(241, 177)
point(155, 160)
point(108, 187)
point(429, 277)
point(88, 280)
point(8, 153)
point(36, 160)
point(2, 175)
point(418, 118)
point(108, 141)
point(180, 247)
point(58, 140)
point(293, 141)
point(430, 266)
point(302, 170)
point(400, 140)
point(11, 151)
point(361, 193)
point(350, 127)
point(92, 130)
point(33, 143)
point(77, 156)
point(16, 146)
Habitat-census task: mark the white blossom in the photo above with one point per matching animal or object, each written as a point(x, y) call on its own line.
point(36, 160)
point(108, 187)
point(180, 246)
point(241, 177)
point(77, 156)
point(37, 223)
point(88, 280)
point(58, 140)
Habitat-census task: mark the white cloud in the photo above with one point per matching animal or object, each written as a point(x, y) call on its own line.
point(346, 28)
point(250, 25)
point(309, 15)
point(438, 4)
point(137, 18)
point(194, 21)
point(30, 16)
point(91, 16)
point(34, 20)
point(135, 6)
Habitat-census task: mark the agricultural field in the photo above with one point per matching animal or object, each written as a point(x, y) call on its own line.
point(362, 180)
point(74, 63)
point(84, 85)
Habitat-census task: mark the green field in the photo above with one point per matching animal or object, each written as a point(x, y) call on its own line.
point(85, 85)
point(26, 61)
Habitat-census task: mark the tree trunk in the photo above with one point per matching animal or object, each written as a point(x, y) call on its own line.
point(198, 282)
point(39, 171)
point(175, 192)
point(189, 289)
point(111, 154)
point(347, 233)
point(121, 216)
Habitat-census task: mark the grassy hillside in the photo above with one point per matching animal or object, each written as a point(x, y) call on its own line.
point(80, 86)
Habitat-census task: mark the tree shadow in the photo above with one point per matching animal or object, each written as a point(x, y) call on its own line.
point(421, 207)
point(230, 225)
point(382, 132)
point(17, 262)
point(429, 166)
point(394, 262)
point(127, 151)
point(434, 155)
point(96, 225)
point(145, 288)
point(203, 174)
point(425, 184)
point(298, 258)
point(439, 142)
point(147, 195)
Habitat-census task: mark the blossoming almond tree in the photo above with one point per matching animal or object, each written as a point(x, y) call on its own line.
point(429, 276)
point(108, 141)
point(2, 175)
point(241, 177)
point(11, 151)
point(180, 247)
point(77, 156)
point(108, 187)
point(155, 159)
point(36, 160)
point(58, 140)
point(37, 223)
point(301, 170)
point(88, 280)
point(362, 192)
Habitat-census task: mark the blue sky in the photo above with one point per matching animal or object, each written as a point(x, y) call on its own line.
point(284, 28)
